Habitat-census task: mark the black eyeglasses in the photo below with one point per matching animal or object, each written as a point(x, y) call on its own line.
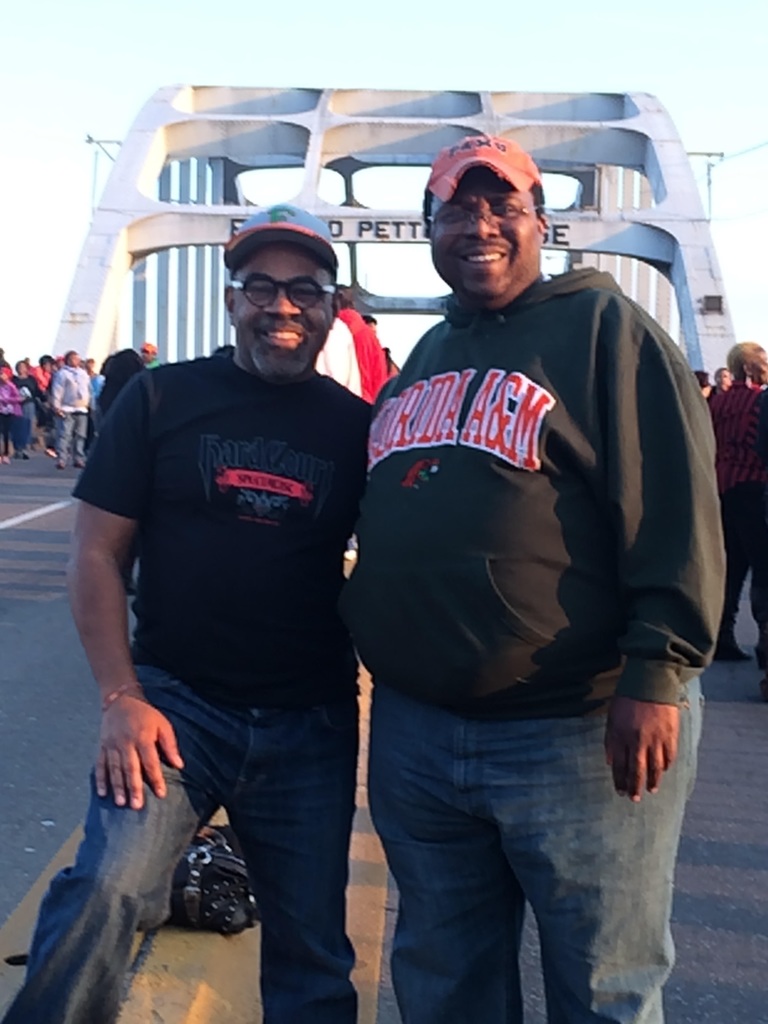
point(303, 292)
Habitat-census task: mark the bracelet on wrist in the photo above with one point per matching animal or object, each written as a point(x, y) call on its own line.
point(126, 690)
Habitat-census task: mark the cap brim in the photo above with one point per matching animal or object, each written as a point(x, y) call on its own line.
point(444, 185)
point(241, 247)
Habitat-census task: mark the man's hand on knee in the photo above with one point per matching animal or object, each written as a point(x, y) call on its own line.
point(133, 736)
point(640, 744)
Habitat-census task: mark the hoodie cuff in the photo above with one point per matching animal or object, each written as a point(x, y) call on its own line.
point(658, 682)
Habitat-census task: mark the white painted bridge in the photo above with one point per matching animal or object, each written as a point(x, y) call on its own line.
point(151, 265)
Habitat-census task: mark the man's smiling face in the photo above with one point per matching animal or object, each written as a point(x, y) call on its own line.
point(486, 242)
point(280, 342)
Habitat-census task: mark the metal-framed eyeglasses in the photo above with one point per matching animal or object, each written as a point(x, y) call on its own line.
point(454, 216)
point(261, 290)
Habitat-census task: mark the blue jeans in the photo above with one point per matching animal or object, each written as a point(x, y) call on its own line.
point(287, 780)
point(21, 430)
point(480, 818)
point(71, 430)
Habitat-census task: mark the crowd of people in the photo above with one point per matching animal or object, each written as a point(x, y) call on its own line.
point(54, 406)
point(538, 588)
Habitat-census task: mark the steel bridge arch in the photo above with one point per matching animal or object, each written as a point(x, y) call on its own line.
point(174, 188)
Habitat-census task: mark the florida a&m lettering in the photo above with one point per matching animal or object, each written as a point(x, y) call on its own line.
point(505, 417)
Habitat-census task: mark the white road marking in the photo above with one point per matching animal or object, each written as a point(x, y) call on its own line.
point(7, 524)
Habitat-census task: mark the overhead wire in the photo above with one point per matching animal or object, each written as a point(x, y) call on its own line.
point(744, 152)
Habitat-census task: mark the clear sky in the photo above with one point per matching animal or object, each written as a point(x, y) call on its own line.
point(69, 69)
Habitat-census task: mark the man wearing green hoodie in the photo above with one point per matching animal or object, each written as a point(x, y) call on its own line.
point(538, 588)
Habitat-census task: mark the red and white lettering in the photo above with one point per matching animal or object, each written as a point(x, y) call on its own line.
point(506, 418)
point(402, 430)
point(379, 430)
point(448, 427)
point(475, 424)
point(430, 416)
point(528, 419)
point(424, 415)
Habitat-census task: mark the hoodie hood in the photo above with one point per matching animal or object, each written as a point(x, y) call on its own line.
point(539, 291)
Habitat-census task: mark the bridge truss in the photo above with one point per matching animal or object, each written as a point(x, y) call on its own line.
point(152, 256)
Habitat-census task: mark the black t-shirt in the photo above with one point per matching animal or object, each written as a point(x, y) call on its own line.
point(245, 493)
point(28, 389)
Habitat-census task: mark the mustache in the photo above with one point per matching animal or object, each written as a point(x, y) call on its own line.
point(511, 245)
point(271, 322)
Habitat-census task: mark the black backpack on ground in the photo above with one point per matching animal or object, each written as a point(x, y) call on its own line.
point(211, 890)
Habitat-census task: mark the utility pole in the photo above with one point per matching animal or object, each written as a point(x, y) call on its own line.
point(100, 146)
point(713, 159)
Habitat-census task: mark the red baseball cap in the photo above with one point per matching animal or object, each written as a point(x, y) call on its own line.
point(149, 348)
point(503, 156)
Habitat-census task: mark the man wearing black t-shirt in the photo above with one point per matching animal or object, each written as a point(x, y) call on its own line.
point(241, 478)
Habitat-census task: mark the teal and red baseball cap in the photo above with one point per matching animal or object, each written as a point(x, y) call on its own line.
point(281, 223)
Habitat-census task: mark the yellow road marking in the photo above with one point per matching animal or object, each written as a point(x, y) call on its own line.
point(195, 977)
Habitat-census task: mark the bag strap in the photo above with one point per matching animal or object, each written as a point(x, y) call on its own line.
point(197, 858)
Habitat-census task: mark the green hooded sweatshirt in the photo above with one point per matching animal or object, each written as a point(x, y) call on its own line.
point(541, 526)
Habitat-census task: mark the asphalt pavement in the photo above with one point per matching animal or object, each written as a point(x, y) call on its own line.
point(49, 718)
point(48, 708)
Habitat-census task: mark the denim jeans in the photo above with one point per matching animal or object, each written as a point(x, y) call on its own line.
point(287, 780)
point(21, 431)
point(481, 818)
point(71, 430)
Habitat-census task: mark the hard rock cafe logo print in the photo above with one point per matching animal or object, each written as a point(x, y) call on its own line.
point(266, 477)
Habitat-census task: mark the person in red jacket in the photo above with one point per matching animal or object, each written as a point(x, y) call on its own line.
point(742, 477)
point(370, 354)
point(392, 368)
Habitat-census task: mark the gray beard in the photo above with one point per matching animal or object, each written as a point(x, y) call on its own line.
point(280, 366)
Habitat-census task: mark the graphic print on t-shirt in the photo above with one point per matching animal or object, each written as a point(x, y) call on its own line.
point(266, 477)
point(505, 418)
